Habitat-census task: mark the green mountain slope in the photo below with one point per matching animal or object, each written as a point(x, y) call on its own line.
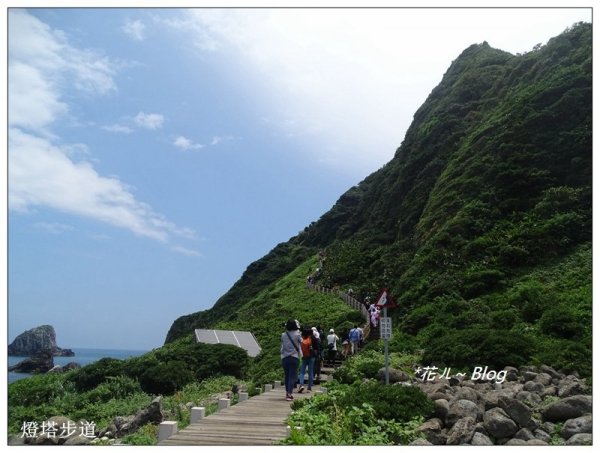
point(480, 224)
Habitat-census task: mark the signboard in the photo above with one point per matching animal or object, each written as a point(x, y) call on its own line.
point(384, 300)
point(385, 326)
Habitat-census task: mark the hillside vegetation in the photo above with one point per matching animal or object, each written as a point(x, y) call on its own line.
point(480, 225)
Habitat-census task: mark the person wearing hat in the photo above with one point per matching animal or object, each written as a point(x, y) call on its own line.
point(332, 340)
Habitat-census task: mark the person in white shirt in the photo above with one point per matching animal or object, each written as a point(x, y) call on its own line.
point(332, 340)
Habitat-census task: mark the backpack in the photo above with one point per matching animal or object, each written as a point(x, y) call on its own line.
point(316, 346)
point(354, 335)
point(306, 347)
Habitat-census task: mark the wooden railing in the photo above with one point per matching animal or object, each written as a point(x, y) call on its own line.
point(351, 301)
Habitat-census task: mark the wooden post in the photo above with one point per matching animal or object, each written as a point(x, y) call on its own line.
point(268, 387)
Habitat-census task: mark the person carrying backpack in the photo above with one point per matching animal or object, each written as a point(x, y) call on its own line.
point(354, 337)
point(308, 350)
point(332, 340)
point(291, 352)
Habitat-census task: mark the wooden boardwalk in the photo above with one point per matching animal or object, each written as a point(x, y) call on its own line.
point(259, 420)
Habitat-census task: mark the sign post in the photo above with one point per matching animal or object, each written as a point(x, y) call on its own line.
point(385, 328)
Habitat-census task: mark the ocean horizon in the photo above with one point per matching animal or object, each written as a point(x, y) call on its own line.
point(83, 356)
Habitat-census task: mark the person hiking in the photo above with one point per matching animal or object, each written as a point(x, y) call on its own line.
point(291, 352)
point(317, 351)
point(308, 358)
point(354, 337)
point(332, 340)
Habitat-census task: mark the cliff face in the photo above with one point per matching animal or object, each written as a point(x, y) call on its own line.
point(36, 341)
point(480, 225)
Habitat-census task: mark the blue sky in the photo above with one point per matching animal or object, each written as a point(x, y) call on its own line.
point(153, 154)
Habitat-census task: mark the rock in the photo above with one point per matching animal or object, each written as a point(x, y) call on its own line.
point(16, 439)
point(462, 431)
point(78, 440)
point(56, 369)
point(433, 431)
point(71, 366)
point(548, 427)
point(529, 398)
point(529, 376)
point(461, 409)
point(551, 371)
point(37, 340)
point(151, 414)
point(512, 374)
point(524, 434)
point(516, 442)
point(532, 386)
point(420, 442)
point(481, 439)
point(543, 378)
point(568, 388)
point(394, 374)
point(580, 439)
point(577, 425)
point(439, 396)
point(536, 442)
point(42, 362)
point(549, 391)
point(441, 408)
point(571, 407)
point(465, 393)
point(542, 435)
point(498, 424)
point(516, 410)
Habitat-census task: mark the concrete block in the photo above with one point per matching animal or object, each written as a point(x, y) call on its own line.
point(166, 430)
point(243, 396)
point(224, 403)
point(198, 413)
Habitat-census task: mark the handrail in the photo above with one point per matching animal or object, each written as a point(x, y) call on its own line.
point(351, 301)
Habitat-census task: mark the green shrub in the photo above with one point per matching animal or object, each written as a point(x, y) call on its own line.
point(360, 366)
point(166, 378)
point(92, 375)
point(345, 417)
point(561, 321)
point(478, 346)
point(114, 387)
point(390, 402)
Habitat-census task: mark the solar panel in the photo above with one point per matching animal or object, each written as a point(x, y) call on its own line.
point(244, 340)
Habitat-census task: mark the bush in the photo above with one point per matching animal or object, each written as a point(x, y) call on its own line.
point(114, 387)
point(359, 415)
point(361, 366)
point(166, 378)
point(479, 346)
point(390, 402)
point(561, 321)
point(96, 373)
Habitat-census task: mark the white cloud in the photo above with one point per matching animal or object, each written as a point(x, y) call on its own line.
point(350, 80)
point(149, 120)
point(41, 174)
point(185, 144)
point(42, 64)
point(135, 29)
point(43, 68)
point(54, 227)
point(185, 251)
point(118, 128)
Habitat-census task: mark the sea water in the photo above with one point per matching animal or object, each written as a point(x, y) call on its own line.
point(83, 356)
